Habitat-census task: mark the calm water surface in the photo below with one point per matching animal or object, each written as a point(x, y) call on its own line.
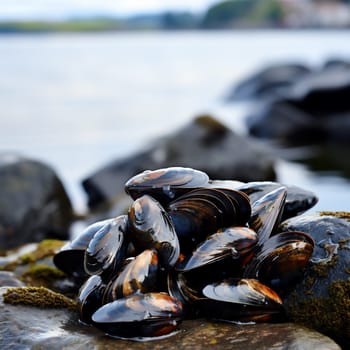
point(78, 101)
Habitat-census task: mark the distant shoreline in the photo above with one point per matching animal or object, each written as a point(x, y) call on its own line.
point(44, 31)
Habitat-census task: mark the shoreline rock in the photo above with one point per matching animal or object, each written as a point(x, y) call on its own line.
point(205, 144)
point(33, 202)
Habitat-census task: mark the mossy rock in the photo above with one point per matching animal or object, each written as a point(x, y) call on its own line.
point(321, 300)
point(33, 265)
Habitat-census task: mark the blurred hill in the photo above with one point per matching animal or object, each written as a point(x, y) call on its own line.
point(227, 14)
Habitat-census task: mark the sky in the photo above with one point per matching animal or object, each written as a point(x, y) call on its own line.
point(58, 9)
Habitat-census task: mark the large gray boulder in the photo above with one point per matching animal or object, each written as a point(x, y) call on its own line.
point(321, 300)
point(33, 203)
point(204, 144)
point(314, 109)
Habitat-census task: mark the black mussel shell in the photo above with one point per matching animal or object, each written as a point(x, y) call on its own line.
point(181, 289)
point(231, 244)
point(107, 248)
point(139, 315)
point(267, 213)
point(90, 298)
point(139, 275)
point(298, 200)
point(150, 227)
point(281, 260)
point(70, 259)
point(241, 300)
point(165, 184)
point(201, 212)
point(228, 184)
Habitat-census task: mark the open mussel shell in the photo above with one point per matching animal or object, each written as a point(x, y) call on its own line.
point(140, 315)
point(298, 200)
point(267, 213)
point(139, 275)
point(107, 248)
point(281, 260)
point(90, 298)
point(150, 227)
point(165, 184)
point(241, 300)
point(70, 259)
point(228, 246)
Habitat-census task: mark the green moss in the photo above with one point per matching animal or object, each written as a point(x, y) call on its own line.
point(329, 315)
point(45, 248)
point(211, 124)
point(41, 275)
point(38, 297)
point(338, 214)
point(322, 270)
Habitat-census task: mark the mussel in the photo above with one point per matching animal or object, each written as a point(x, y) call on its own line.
point(107, 248)
point(224, 252)
point(298, 200)
point(165, 184)
point(150, 227)
point(201, 247)
point(70, 258)
point(203, 211)
point(138, 275)
point(266, 213)
point(241, 300)
point(139, 315)
point(281, 260)
point(90, 298)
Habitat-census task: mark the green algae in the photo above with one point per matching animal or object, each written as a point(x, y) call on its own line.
point(211, 124)
point(40, 297)
point(327, 314)
point(45, 248)
point(41, 275)
point(338, 214)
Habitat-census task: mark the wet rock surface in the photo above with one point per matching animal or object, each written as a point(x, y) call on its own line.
point(313, 108)
point(270, 81)
point(205, 144)
point(321, 300)
point(33, 203)
point(25, 327)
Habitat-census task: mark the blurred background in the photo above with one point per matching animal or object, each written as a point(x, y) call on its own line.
point(83, 82)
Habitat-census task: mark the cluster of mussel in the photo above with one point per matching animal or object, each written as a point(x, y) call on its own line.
point(188, 247)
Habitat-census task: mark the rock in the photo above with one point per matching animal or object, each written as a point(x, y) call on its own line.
point(285, 123)
point(314, 109)
point(32, 265)
point(272, 80)
point(33, 203)
point(322, 299)
point(204, 144)
point(26, 327)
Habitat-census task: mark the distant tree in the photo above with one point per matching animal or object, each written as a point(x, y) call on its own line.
point(225, 13)
point(244, 12)
point(267, 12)
point(178, 20)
